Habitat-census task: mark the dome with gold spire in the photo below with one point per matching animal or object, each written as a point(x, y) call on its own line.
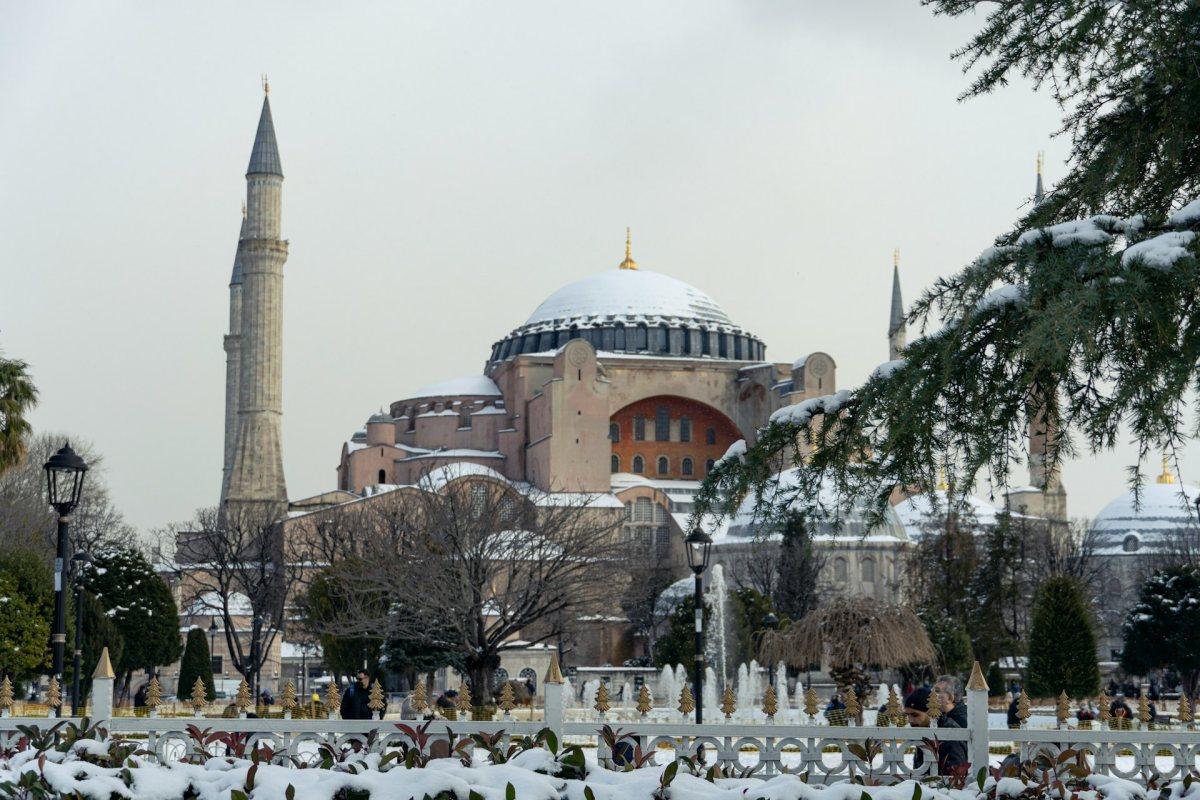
point(632, 310)
point(1154, 522)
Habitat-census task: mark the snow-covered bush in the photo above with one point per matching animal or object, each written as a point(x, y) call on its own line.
point(72, 762)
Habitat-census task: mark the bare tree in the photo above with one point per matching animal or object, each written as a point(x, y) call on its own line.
point(237, 566)
point(471, 562)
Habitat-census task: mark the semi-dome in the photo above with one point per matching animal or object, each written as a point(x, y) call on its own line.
point(630, 310)
point(1153, 523)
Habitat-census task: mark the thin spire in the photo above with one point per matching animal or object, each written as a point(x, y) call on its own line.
point(628, 263)
point(236, 277)
point(1039, 193)
point(896, 320)
point(1166, 476)
point(264, 157)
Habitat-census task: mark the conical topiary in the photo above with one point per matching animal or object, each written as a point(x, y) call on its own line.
point(1062, 643)
point(197, 663)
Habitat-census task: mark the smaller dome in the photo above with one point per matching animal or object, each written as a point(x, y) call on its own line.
point(917, 511)
point(470, 386)
point(1150, 524)
point(379, 417)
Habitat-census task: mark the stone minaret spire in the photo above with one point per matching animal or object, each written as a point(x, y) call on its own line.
point(256, 474)
point(1039, 194)
point(233, 366)
point(897, 324)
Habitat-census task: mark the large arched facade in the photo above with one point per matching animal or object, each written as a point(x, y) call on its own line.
point(669, 437)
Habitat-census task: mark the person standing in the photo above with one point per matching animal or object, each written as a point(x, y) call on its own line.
point(356, 700)
point(949, 754)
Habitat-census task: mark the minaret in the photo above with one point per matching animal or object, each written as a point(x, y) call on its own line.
point(1039, 194)
point(232, 360)
point(897, 325)
point(256, 474)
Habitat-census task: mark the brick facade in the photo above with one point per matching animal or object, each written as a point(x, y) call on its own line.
point(681, 414)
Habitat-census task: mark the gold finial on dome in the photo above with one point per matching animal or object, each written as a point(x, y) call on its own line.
point(628, 263)
point(1165, 476)
point(266, 84)
point(1039, 162)
point(942, 485)
point(896, 257)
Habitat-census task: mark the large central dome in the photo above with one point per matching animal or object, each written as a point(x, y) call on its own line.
point(628, 294)
point(632, 311)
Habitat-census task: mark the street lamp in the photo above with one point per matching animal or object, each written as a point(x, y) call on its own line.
point(770, 623)
point(78, 562)
point(212, 644)
point(64, 485)
point(699, 547)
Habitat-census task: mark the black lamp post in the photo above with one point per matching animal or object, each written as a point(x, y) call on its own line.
point(78, 562)
point(770, 622)
point(64, 485)
point(699, 547)
point(212, 644)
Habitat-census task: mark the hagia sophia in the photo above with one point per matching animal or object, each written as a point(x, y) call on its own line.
point(627, 385)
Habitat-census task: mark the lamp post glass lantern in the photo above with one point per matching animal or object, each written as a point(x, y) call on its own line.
point(699, 548)
point(64, 486)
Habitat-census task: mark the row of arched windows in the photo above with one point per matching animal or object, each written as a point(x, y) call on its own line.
point(662, 428)
point(866, 568)
point(662, 465)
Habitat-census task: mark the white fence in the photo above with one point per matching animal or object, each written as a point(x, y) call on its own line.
point(825, 752)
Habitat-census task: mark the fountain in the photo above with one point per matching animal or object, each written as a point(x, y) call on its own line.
point(717, 636)
point(711, 702)
point(589, 693)
point(745, 693)
point(781, 684)
point(627, 696)
point(568, 693)
point(666, 686)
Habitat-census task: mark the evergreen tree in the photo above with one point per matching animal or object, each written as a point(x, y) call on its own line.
point(1162, 630)
point(196, 663)
point(799, 566)
point(23, 633)
point(1085, 327)
point(99, 632)
point(1062, 643)
point(141, 606)
point(677, 645)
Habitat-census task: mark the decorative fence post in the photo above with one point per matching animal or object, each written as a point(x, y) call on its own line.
point(552, 689)
point(977, 719)
point(103, 679)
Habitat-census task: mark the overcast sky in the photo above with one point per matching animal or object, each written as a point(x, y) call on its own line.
point(448, 166)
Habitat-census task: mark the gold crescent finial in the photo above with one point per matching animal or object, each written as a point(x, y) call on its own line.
point(1165, 476)
point(628, 263)
point(942, 485)
point(896, 257)
point(1040, 156)
point(266, 84)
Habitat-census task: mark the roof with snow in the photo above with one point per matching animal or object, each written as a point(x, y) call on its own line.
point(470, 386)
point(626, 310)
point(918, 511)
point(1164, 513)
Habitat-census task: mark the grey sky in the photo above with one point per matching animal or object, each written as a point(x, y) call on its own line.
point(771, 153)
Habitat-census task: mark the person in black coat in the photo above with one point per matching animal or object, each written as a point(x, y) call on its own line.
point(950, 754)
point(357, 697)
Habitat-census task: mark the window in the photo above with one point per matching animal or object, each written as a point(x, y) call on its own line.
point(662, 424)
point(500, 676)
point(840, 571)
point(619, 338)
point(639, 340)
point(218, 665)
point(530, 677)
point(639, 466)
point(615, 463)
point(629, 510)
point(664, 466)
point(1130, 545)
point(710, 436)
point(685, 429)
point(662, 543)
point(644, 511)
point(868, 570)
point(479, 496)
point(614, 431)
point(660, 514)
point(664, 339)
point(708, 466)
point(382, 476)
point(686, 467)
point(639, 428)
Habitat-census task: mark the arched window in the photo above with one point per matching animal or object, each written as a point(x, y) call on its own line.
point(639, 428)
point(619, 338)
point(840, 569)
point(639, 466)
point(614, 431)
point(708, 466)
point(710, 436)
point(382, 476)
point(615, 463)
point(686, 466)
point(664, 339)
point(640, 336)
point(662, 424)
point(1130, 545)
point(528, 676)
point(664, 466)
point(500, 676)
point(685, 429)
point(868, 570)
point(660, 514)
point(644, 510)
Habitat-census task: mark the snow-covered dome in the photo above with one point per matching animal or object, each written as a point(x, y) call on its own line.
point(628, 293)
point(744, 524)
point(1166, 510)
point(470, 386)
point(917, 511)
point(632, 311)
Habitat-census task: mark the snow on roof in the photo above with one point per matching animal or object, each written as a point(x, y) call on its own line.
point(917, 511)
point(458, 453)
point(474, 385)
point(628, 292)
point(209, 603)
point(1165, 511)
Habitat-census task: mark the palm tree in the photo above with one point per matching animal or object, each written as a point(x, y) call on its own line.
point(17, 397)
